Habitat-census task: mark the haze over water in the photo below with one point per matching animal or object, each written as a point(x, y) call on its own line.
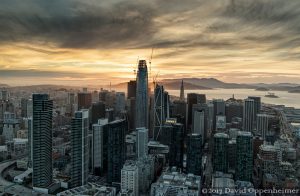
point(285, 98)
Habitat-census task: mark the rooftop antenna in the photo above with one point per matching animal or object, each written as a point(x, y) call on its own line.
point(150, 66)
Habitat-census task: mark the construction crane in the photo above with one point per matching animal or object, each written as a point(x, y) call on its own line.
point(134, 68)
point(154, 79)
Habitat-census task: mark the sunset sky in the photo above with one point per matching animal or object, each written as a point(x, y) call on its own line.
point(95, 42)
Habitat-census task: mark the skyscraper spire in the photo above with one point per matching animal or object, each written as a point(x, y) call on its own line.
point(182, 91)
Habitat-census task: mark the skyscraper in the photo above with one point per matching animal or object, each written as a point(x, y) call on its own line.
point(199, 123)
point(194, 154)
point(80, 148)
point(29, 135)
point(131, 89)
point(219, 109)
point(142, 95)
point(262, 124)
point(97, 111)
point(99, 149)
point(248, 115)
point(84, 100)
point(116, 149)
point(159, 111)
point(244, 156)
point(42, 141)
point(131, 112)
point(257, 104)
point(120, 102)
point(166, 104)
point(233, 109)
point(192, 98)
point(182, 92)
point(142, 142)
point(220, 156)
point(24, 107)
point(172, 135)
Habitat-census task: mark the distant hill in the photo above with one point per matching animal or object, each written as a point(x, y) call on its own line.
point(295, 89)
point(4, 86)
point(175, 85)
point(169, 85)
point(210, 83)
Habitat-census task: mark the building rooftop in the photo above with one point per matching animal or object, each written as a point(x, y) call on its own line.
point(89, 189)
point(268, 148)
point(221, 135)
point(177, 178)
point(129, 165)
point(244, 133)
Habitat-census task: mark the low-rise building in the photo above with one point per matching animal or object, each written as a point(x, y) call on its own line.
point(173, 182)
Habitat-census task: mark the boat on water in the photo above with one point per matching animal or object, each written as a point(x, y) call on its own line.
point(271, 95)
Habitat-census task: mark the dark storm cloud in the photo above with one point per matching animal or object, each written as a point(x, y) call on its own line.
point(36, 73)
point(75, 24)
point(136, 23)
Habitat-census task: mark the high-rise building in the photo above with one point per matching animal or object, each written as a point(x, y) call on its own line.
point(220, 123)
point(24, 107)
point(84, 100)
point(95, 96)
point(220, 150)
point(131, 89)
point(268, 160)
point(233, 109)
point(99, 147)
point(4, 95)
point(131, 112)
point(10, 126)
point(103, 95)
point(262, 124)
point(219, 109)
point(71, 98)
point(191, 100)
point(210, 116)
point(257, 104)
point(116, 149)
point(231, 154)
point(166, 104)
point(29, 108)
point(142, 142)
point(172, 135)
point(146, 167)
point(130, 178)
point(159, 111)
point(244, 156)
point(42, 141)
point(109, 114)
point(120, 102)
point(182, 92)
point(28, 121)
point(97, 111)
point(142, 95)
point(80, 148)
point(199, 123)
point(194, 154)
point(248, 115)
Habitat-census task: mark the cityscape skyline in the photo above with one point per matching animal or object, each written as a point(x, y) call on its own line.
point(149, 98)
point(75, 42)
